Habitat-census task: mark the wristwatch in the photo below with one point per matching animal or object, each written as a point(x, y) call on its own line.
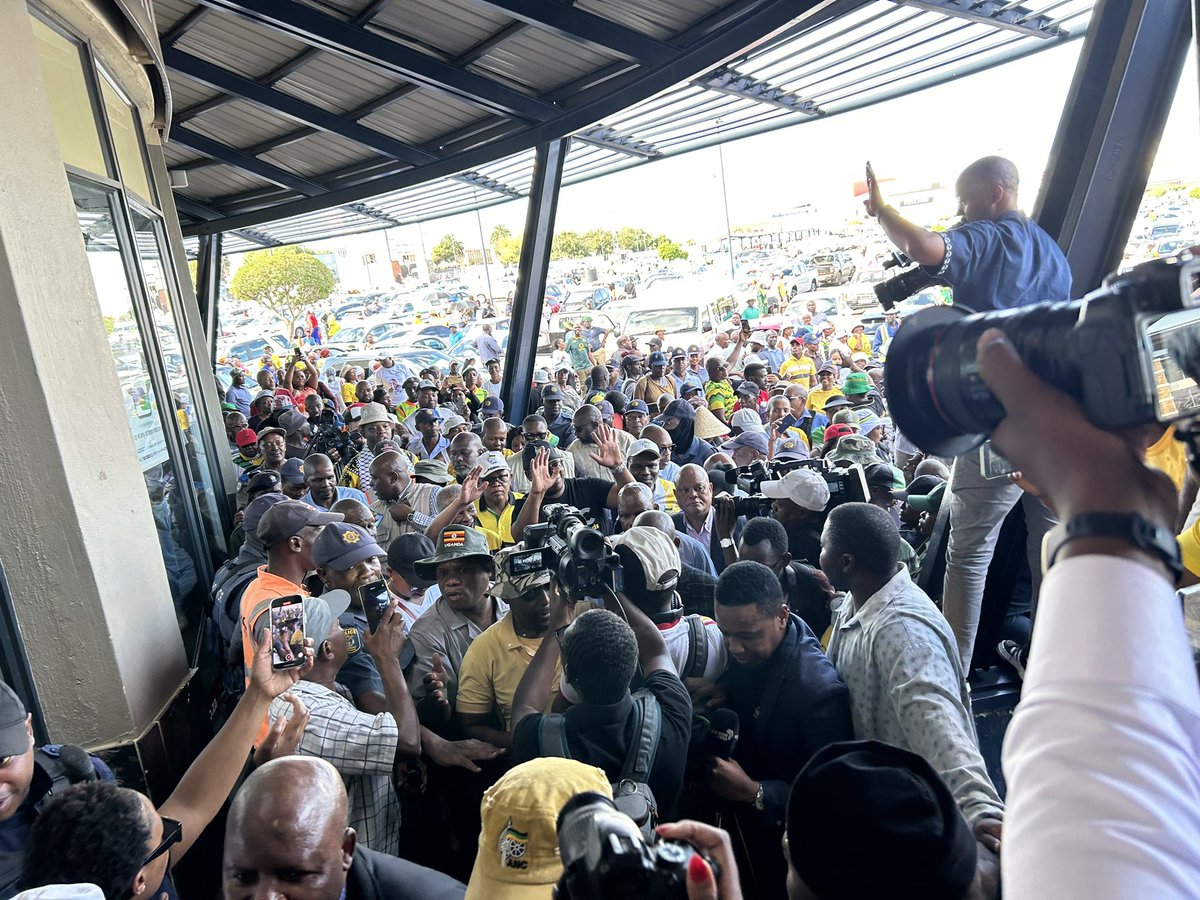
point(726, 543)
point(760, 797)
point(1128, 527)
point(619, 469)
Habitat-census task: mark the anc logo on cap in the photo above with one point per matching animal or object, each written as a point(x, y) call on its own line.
point(512, 846)
point(351, 537)
point(454, 538)
point(353, 640)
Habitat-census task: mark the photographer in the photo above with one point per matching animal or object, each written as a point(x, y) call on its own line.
point(800, 498)
point(997, 258)
point(600, 654)
point(1103, 742)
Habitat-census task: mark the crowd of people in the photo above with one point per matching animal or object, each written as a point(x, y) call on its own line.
point(765, 680)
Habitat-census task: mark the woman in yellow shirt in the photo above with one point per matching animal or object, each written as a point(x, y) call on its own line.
point(858, 342)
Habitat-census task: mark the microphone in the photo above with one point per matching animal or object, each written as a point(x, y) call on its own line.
point(722, 733)
point(76, 763)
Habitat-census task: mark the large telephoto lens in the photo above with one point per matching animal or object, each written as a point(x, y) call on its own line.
point(937, 396)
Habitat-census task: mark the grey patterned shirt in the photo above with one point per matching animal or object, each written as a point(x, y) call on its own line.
point(900, 661)
point(362, 747)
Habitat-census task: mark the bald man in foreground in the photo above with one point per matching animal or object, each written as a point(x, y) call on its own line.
point(288, 835)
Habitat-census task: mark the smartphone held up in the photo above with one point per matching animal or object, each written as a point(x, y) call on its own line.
point(287, 632)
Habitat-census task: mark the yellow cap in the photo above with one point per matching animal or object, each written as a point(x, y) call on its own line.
point(518, 846)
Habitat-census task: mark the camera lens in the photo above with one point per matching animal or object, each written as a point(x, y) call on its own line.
point(938, 397)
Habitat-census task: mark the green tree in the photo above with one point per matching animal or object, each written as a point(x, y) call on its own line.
point(499, 235)
point(569, 245)
point(668, 250)
point(286, 280)
point(508, 252)
point(1194, 193)
point(599, 242)
point(110, 324)
point(449, 250)
point(630, 238)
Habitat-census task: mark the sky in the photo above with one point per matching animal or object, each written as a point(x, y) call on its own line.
point(1012, 110)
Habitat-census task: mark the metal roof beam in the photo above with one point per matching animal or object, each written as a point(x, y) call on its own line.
point(587, 28)
point(363, 210)
point(735, 84)
point(332, 35)
point(205, 213)
point(611, 139)
point(479, 180)
point(245, 162)
point(998, 13)
point(193, 18)
point(292, 107)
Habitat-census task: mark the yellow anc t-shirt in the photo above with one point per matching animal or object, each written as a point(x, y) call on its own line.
point(817, 398)
point(799, 370)
point(492, 669)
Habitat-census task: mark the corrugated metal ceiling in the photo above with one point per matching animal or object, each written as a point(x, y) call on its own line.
point(836, 55)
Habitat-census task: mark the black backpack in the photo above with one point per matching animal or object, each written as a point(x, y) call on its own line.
point(631, 792)
point(697, 658)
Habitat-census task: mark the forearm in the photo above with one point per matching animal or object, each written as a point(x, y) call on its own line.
point(652, 649)
point(444, 518)
point(920, 244)
point(208, 781)
point(489, 735)
point(400, 705)
point(533, 693)
point(531, 511)
point(620, 479)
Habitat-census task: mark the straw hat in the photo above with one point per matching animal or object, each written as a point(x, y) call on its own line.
point(708, 426)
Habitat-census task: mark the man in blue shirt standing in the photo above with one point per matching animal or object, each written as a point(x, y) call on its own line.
point(996, 258)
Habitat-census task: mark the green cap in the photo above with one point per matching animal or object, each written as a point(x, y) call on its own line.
point(856, 383)
point(455, 542)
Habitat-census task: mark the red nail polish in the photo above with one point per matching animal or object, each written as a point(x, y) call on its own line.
point(698, 870)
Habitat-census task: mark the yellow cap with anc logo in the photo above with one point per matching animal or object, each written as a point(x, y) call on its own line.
point(518, 846)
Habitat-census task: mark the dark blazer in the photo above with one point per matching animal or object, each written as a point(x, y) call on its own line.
point(378, 876)
point(714, 545)
point(799, 706)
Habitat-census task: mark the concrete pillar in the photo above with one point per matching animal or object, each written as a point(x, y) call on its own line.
point(77, 539)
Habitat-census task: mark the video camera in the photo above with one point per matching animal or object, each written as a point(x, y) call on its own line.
point(605, 855)
point(575, 554)
point(847, 484)
point(1129, 352)
point(904, 284)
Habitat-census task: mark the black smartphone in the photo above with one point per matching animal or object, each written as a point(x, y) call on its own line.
point(375, 600)
point(870, 175)
point(287, 632)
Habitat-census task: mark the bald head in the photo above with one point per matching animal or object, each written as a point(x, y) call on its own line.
point(494, 433)
point(656, 518)
point(633, 500)
point(386, 462)
point(993, 171)
point(355, 512)
point(290, 816)
point(932, 467)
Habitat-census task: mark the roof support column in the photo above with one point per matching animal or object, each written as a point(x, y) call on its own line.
point(208, 288)
point(1107, 138)
point(531, 277)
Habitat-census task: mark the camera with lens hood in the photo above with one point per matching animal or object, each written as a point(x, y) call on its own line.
point(1129, 352)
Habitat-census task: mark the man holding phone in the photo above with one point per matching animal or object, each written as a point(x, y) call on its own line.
point(995, 258)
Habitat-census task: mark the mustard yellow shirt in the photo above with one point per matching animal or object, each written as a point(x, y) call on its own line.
point(492, 669)
point(800, 370)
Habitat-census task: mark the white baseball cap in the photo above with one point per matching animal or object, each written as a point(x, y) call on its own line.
point(640, 446)
point(804, 487)
point(747, 420)
point(491, 462)
point(656, 552)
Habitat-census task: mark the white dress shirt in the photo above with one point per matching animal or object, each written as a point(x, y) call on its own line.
point(1102, 758)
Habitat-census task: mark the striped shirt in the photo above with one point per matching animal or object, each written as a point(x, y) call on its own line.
point(720, 396)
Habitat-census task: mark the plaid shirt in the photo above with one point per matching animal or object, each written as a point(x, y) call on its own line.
point(362, 748)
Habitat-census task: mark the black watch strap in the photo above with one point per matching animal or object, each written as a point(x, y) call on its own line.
point(1128, 527)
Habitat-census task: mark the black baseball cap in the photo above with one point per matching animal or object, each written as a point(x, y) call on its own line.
point(287, 519)
point(402, 554)
point(14, 736)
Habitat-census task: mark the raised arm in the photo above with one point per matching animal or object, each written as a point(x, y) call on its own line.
point(471, 491)
point(920, 244)
point(652, 649)
point(206, 784)
point(385, 646)
point(539, 482)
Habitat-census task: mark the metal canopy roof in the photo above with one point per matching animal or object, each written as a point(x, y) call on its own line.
point(303, 119)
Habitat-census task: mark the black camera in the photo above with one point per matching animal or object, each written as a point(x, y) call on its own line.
point(575, 554)
point(902, 286)
point(327, 437)
point(604, 855)
point(1128, 352)
point(847, 484)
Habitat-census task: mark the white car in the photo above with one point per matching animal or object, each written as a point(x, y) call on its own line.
point(685, 323)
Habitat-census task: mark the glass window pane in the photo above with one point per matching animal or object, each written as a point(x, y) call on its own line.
point(127, 139)
point(67, 94)
point(147, 232)
point(165, 484)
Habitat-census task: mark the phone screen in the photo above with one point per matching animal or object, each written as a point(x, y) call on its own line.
point(992, 464)
point(287, 632)
point(375, 600)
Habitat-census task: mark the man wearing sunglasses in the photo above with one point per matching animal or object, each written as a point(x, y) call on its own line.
point(534, 428)
point(99, 833)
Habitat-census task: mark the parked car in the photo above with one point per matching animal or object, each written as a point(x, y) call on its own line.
point(834, 268)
